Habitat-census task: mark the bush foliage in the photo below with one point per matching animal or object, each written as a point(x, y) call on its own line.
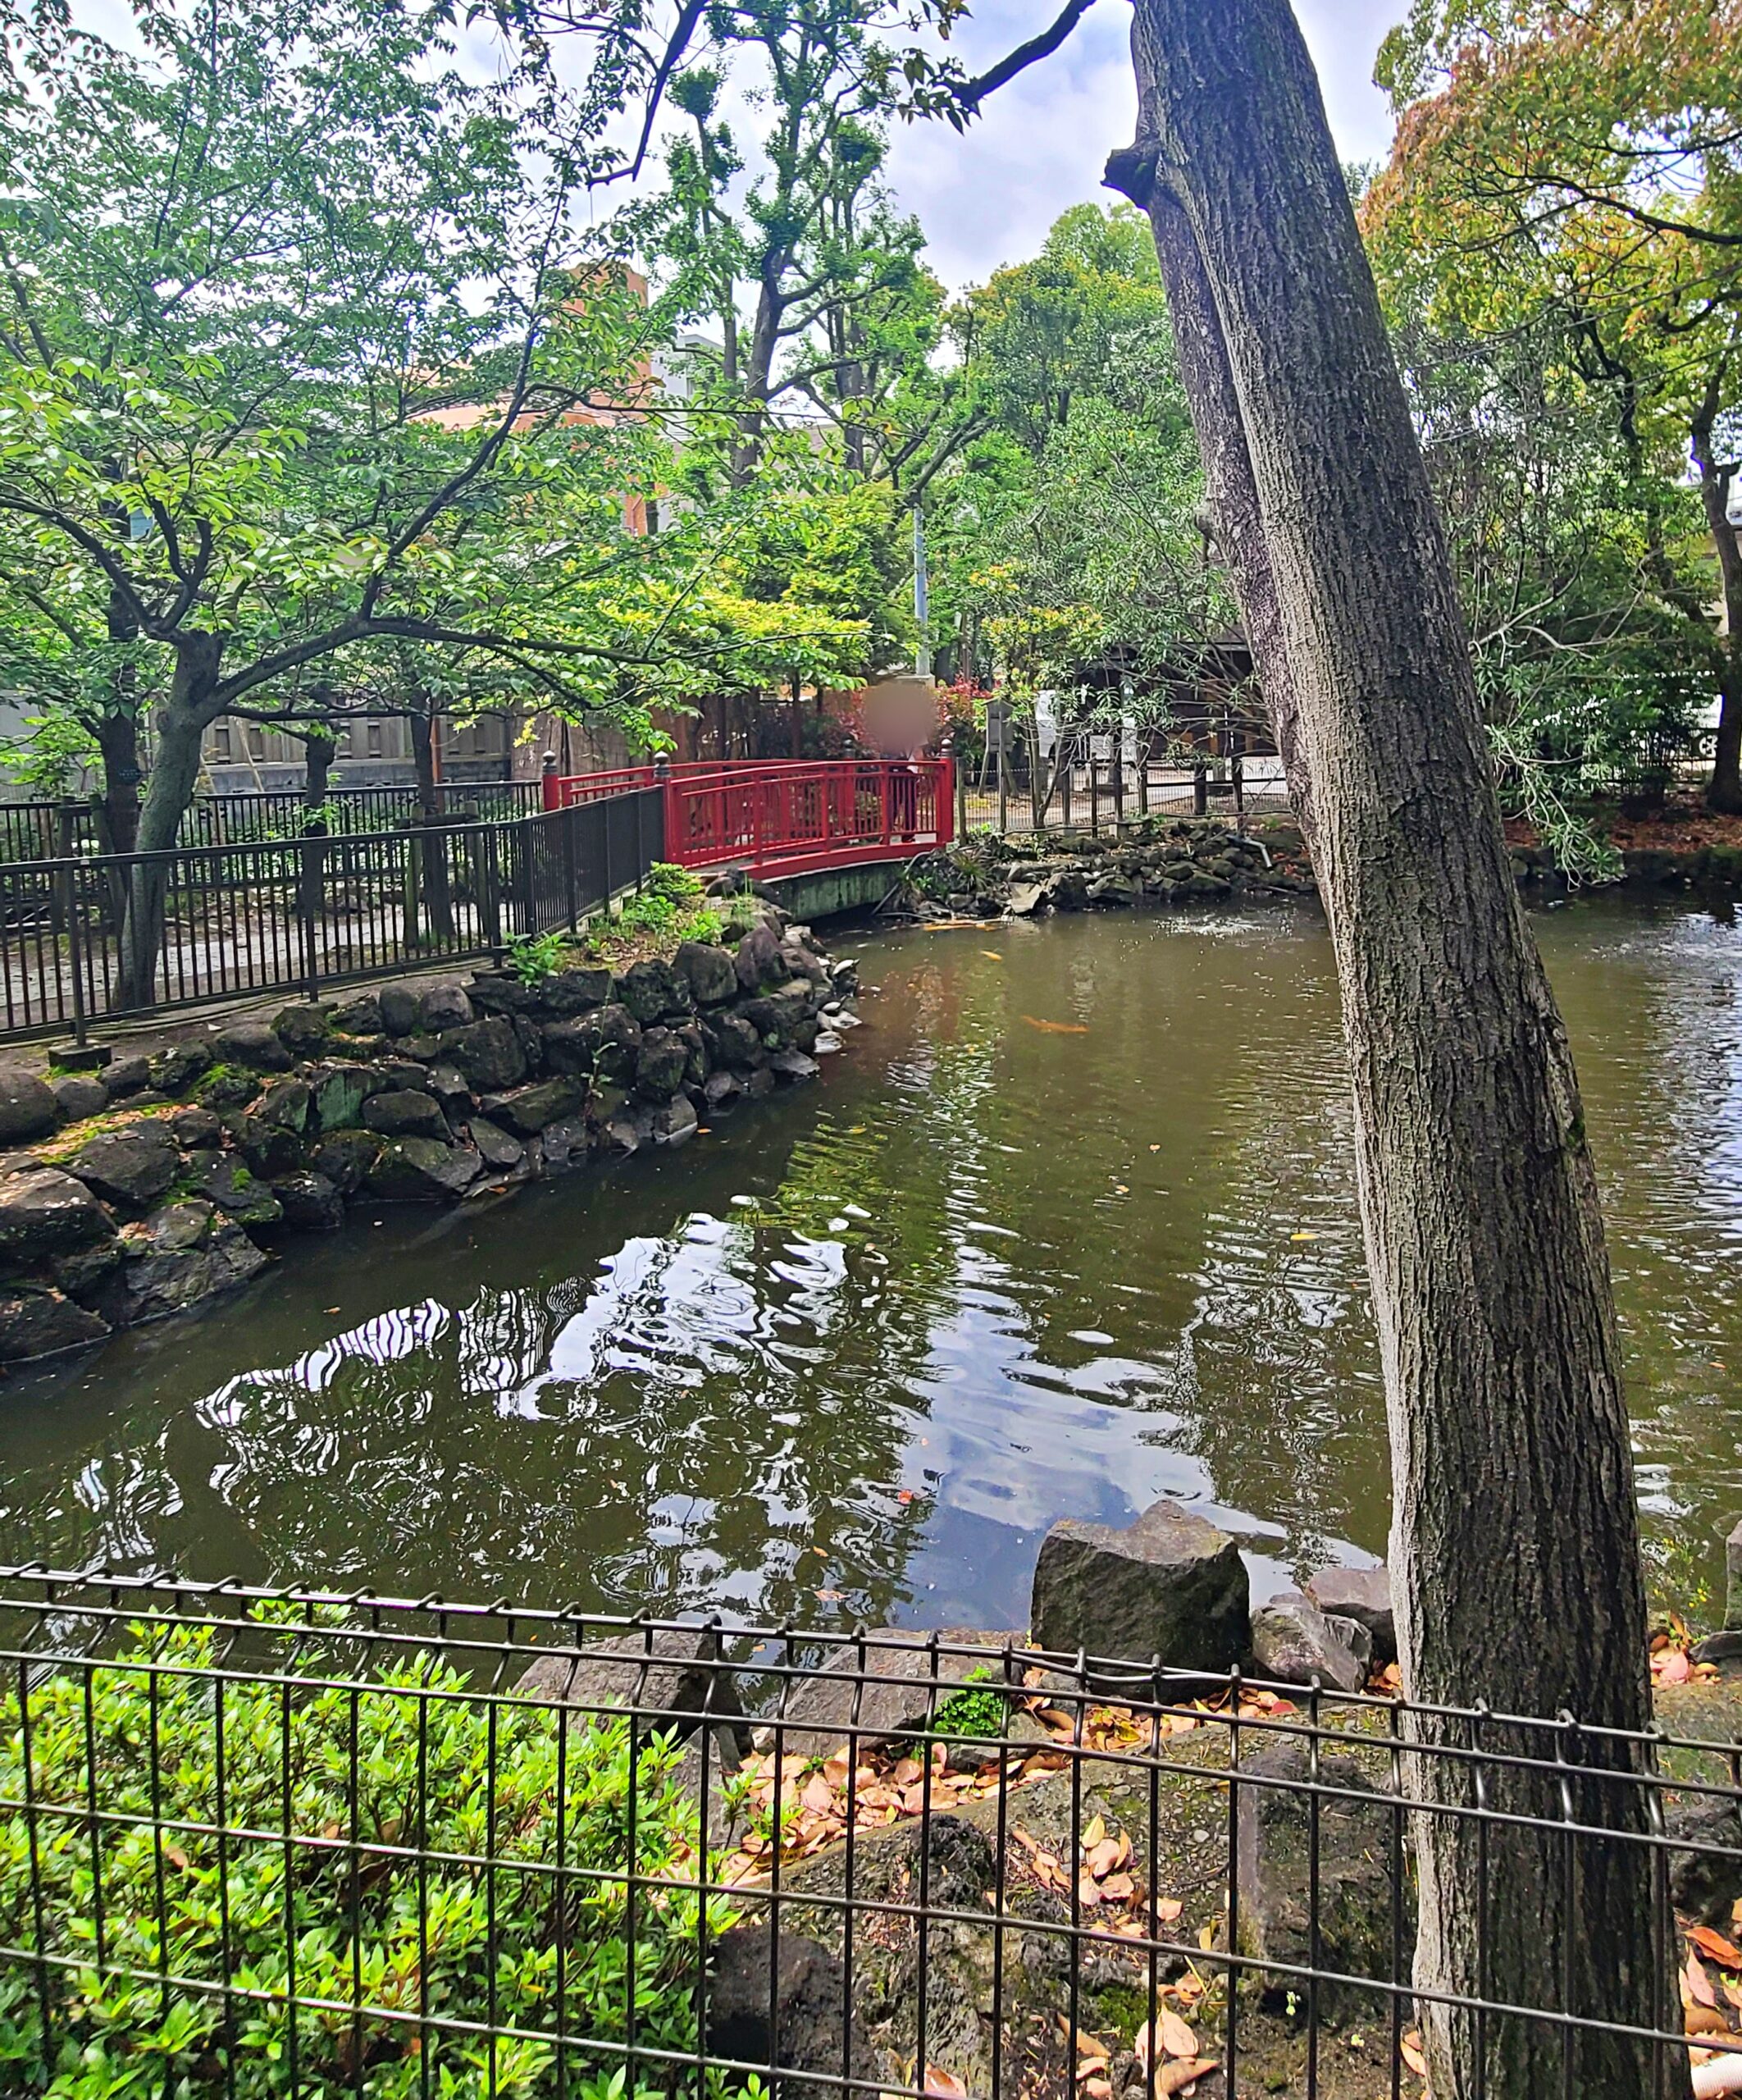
point(443, 1779)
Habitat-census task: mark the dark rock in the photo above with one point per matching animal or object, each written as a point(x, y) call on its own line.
point(566, 1143)
point(801, 959)
point(530, 1037)
point(605, 1102)
point(174, 1070)
point(736, 1044)
point(605, 1042)
point(359, 1016)
point(758, 1085)
point(758, 961)
point(676, 1122)
point(1294, 1643)
point(1356, 1892)
point(28, 1108)
point(309, 1202)
point(127, 1075)
point(487, 1052)
point(1024, 900)
point(192, 1128)
point(781, 2005)
point(1068, 891)
point(793, 1067)
point(708, 971)
point(176, 1256)
point(79, 1096)
point(421, 1171)
point(1733, 1579)
point(405, 1116)
point(398, 1009)
point(44, 1212)
point(533, 1108)
point(674, 1679)
point(624, 1134)
point(1706, 1880)
point(304, 1029)
point(425, 1049)
point(572, 991)
point(903, 1678)
point(501, 992)
point(230, 1184)
point(132, 1166)
point(1115, 889)
point(268, 1148)
point(253, 1045)
point(228, 1087)
point(660, 1064)
point(653, 991)
point(721, 1090)
point(495, 1147)
point(1724, 1647)
point(697, 1065)
point(44, 1323)
point(340, 1094)
point(778, 1017)
point(400, 1074)
point(442, 1006)
point(286, 1102)
point(346, 1157)
point(1364, 1594)
point(1171, 1585)
point(84, 1275)
point(449, 1087)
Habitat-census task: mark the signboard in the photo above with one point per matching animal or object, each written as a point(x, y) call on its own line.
point(1000, 726)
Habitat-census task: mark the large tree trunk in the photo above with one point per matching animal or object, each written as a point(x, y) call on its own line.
point(1716, 480)
point(1515, 1537)
point(182, 721)
point(433, 846)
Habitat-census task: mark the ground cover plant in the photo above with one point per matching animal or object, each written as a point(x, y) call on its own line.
point(419, 1880)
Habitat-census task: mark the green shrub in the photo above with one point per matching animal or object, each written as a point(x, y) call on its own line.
point(669, 908)
point(424, 1750)
point(971, 1716)
point(534, 957)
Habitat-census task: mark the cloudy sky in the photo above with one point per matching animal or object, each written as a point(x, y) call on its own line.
point(989, 199)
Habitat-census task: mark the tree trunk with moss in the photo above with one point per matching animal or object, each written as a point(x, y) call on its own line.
point(1515, 1541)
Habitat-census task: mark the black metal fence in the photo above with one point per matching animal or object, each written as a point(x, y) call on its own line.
point(290, 1842)
point(84, 938)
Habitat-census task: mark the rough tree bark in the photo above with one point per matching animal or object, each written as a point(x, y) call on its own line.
point(1717, 478)
point(188, 711)
point(1514, 1541)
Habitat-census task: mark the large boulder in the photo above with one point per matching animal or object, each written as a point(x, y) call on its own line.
point(230, 1184)
point(44, 1212)
point(794, 1067)
point(676, 1679)
point(660, 1064)
point(77, 1096)
point(347, 1158)
point(487, 1053)
point(887, 1694)
point(1363, 1595)
point(1294, 1643)
point(501, 1153)
point(179, 1255)
point(604, 1042)
point(131, 1166)
point(708, 971)
point(310, 1202)
point(1170, 1585)
point(785, 1018)
point(304, 1029)
point(653, 991)
point(758, 961)
point(44, 1323)
point(127, 1075)
point(442, 1006)
point(253, 1045)
point(1356, 1829)
point(28, 1108)
point(268, 1146)
point(530, 1109)
point(340, 1094)
point(780, 2001)
point(361, 1016)
point(676, 1122)
point(406, 1115)
point(572, 991)
point(398, 1009)
point(173, 1070)
point(421, 1171)
point(286, 1102)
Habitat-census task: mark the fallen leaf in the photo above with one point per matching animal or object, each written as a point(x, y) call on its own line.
point(941, 2085)
point(175, 1856)
point(1056, 1027)
point(1096, 1831)
point(1411, 2049)
point(1206, 1939)
point(907, 1771)
point(1705, 2020)
point(1170, 1910)
point(1175, 2036)
point(1723, 1952)
point(1671, 1666)
point(1101, 1859)
point(1118, 1888)
point(1696, 1984)
point(1096, 2088)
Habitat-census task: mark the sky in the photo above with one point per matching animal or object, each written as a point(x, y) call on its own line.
point(988, 198)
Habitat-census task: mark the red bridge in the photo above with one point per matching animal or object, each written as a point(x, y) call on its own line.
point(778, 817)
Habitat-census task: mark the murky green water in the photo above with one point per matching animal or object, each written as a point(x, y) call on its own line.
point(852, 1352)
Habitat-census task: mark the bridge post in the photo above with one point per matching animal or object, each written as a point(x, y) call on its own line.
point(551, 787)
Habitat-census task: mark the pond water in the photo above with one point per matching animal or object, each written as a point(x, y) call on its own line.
point(1068, 1226)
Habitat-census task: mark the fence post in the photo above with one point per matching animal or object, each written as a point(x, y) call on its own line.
point(489, 892)
point(66, 882)
point(566, 818)
point(1200, 791)
point(552, 792)
point(1004, 790)
point(312, 858)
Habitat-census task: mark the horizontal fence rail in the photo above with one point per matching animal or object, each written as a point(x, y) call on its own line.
point(774, 818)
point(294, 1841)
point(84, 939)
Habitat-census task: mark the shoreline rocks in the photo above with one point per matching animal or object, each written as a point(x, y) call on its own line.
point(133, 1195)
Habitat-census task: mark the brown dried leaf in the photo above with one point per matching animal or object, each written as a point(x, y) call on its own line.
point(1101, 1859)
point(1118, 1888)
point(1095, 1834)
point(1410, 2049)
point(1175, 2036)
point(907, 1771)
point(1715, 1946)
point(1705, 2020)
point(942, 2084)
point(1696, 1984)
point(1170, 1910)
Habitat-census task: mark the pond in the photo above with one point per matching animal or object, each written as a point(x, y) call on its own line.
point(1070, 1225)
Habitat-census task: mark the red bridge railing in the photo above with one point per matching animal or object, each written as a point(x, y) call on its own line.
point(780, 818)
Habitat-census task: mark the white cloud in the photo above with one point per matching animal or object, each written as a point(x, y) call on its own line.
point(988, 197)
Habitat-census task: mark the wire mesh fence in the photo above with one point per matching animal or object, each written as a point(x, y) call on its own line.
point(293, 1842)
point(81, 938)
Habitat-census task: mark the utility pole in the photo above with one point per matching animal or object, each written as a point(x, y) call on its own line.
point(921, 598)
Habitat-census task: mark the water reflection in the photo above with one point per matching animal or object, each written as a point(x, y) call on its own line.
point(852, 1354)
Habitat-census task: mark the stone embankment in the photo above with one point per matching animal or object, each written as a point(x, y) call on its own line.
point(1154, 862)
point(134, 1194)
